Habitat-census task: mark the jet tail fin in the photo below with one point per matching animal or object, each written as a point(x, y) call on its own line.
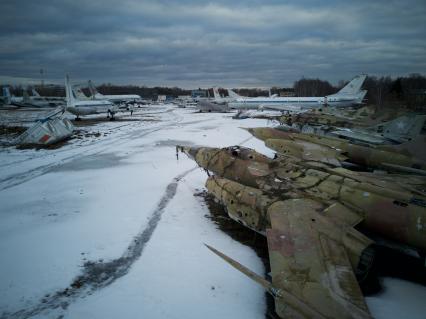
point(354, 86)
point(402, 129)
point(78, 93)
point(34, 92)
point(93, 89)
point(6, 91)
point(233, 94)
point(361, 95)
point(26, 97)
point(6, 94)
point(68, 92)
point(216, 94)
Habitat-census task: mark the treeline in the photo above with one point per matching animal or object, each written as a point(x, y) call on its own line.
point(313, 87)
point(253, 92)
point(143, 91)
point(408, 91)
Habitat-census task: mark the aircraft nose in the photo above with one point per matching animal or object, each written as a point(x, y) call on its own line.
point(191, 152)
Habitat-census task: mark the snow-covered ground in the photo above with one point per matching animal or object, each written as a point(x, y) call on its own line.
point(121, 200)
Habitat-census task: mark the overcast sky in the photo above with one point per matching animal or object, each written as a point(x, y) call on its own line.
point(203, 43)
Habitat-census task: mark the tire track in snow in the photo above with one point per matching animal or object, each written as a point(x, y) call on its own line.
point(97, 275)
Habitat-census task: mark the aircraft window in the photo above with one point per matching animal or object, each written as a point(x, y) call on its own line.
point(380, 129)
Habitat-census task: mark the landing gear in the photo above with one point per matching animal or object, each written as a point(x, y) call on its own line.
point(111, 116)
point(77, 118)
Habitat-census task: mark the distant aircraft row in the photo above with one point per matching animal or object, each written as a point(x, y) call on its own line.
point(75, 102)
point(79, 104)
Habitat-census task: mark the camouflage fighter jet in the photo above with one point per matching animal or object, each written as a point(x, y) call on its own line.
point(399, 130)
point(315, 218)
point(335, 151)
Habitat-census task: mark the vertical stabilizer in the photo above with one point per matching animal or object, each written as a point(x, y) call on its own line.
point(6, 91)
point(34, 92)
point(6, 94)
point(68, 91)
point(216, 94)
point(78, 93)
point(233, 94)
point(93, 91)
point(25, 96)
point(354, 86)
point(361, 95)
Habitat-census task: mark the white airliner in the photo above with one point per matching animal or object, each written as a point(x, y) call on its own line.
point(350, 95)
point(86, 107)
point(38, 101)
point(37, 96)
point(217, 104)
point(11, 99)
point(219, 99)
point(116, 98)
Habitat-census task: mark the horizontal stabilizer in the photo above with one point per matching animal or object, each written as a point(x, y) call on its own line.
point(310, 264)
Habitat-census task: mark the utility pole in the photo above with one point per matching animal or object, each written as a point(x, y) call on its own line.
point(42, 78)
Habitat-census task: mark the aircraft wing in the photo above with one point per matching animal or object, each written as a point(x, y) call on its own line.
point(310, 266)
point(306, 150)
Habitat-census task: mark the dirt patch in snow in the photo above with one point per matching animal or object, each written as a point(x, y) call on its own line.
point(98, 274)
point(11, 130)
point(93, 121)
point(44, 147)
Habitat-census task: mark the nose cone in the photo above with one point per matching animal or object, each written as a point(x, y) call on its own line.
point(206, 157)
point(191, 151)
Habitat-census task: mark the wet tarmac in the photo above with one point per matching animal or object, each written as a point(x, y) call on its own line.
point(96, 161)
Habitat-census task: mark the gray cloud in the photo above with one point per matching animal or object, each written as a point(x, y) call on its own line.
point(202, 43)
